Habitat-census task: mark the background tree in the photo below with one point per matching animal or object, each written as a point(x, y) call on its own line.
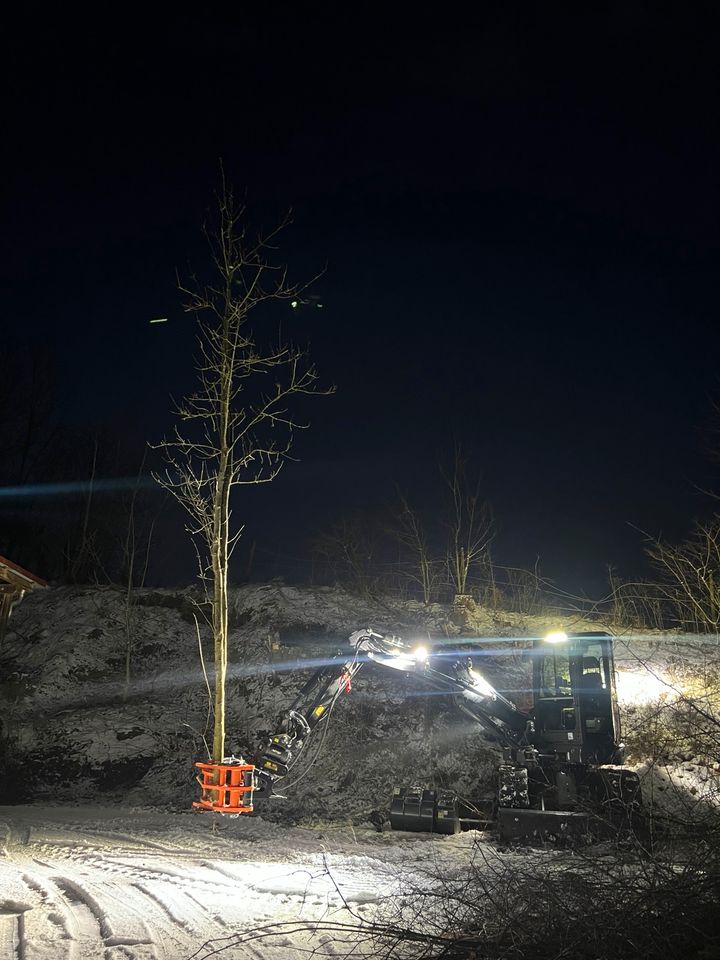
point(410, 533)
point(470, 523)
point(348, 552)
point(236, 428)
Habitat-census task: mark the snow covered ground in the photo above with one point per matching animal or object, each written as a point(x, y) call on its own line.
point(115, 883)
point(120, 868)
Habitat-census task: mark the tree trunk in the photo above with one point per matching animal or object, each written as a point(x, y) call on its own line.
point(220, 560)
point(220, 631)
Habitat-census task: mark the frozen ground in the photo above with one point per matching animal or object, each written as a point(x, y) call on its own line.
point(125, 871)
point(115, 883)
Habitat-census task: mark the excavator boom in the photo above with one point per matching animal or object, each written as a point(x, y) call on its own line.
point(457, 677)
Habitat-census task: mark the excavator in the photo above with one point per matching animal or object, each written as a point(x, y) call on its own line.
point(561, 772)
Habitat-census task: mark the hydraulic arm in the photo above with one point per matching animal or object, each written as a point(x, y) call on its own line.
point(313, 704)
point(456, 676)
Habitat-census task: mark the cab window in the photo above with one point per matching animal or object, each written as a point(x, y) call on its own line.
point(555, 675)
point(594, 669)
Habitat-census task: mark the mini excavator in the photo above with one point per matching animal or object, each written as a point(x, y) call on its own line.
point(561, 772)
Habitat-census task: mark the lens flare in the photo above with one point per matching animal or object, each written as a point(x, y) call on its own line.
point(74, 486)
point(641, 688)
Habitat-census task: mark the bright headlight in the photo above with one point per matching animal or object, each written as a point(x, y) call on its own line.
point(557, 636)
point(420, 653)
point(481, 683)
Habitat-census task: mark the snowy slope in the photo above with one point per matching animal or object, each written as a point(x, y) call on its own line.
point(75, 732)
point(72, 731)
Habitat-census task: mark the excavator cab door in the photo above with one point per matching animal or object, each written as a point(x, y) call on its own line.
point(575, 709)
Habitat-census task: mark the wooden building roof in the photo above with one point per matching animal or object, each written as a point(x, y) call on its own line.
point(15, 582)
point(18, 577)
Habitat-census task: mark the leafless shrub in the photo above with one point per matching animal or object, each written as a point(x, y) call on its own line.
point(689, 577)
point(633, 605)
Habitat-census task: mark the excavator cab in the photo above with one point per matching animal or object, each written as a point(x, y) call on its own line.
point(573, 787)
point(575, 707)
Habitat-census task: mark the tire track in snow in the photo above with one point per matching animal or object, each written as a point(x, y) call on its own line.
point(19, 922)
point(314, 883)
point(84, 927)
point(91, 926)
point(162, 905)
point(11, 936)
point(135, 921)
point(77, 851)
point(101, 841)
point(45, 930)
point(192, 884)
point(12, 912)
point(179, 896)
point(97, 896)
point(36, 929)
point(172, 905)
point(32, 883)
point(203, 874)
point(114, 839)
point(125, 925)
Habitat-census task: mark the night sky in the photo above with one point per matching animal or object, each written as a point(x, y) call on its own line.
point(517, 215)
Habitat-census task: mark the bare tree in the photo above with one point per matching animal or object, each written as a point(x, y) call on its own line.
point(410, 534)
point(690, 576)
point(236, 428)
point(470, 523)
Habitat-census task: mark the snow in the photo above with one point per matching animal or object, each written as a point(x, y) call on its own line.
point(112, 883)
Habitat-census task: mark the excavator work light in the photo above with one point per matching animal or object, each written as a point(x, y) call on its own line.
point(557, 636)
point(481, 683)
